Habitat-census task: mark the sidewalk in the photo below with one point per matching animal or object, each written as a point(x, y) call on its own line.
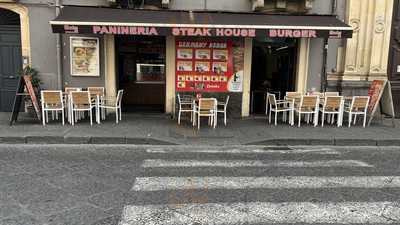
point(161, 130)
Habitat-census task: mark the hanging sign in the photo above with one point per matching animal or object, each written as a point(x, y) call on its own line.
point(203, 66)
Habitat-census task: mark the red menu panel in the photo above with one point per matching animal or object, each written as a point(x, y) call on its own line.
point(203, 66)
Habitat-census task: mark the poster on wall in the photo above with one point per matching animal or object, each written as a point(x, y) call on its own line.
point(84, 56)
point(204, 66)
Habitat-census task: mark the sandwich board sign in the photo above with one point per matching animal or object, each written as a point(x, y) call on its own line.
point(380, 93)
point(24, 83)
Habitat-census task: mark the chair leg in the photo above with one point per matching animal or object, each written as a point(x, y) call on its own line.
point(116, 116)
point(355, 119)
point(198, 121)
point(179, 117)
point(62, 117)
point(365, 119)
point(43, 117)
point(90, 116)
point(72, 118)
point(225, 118)
point(299, 119)
point(350, 119)
point(120, 113)
point(269, 117)
point(276, 116)
point(323, 119)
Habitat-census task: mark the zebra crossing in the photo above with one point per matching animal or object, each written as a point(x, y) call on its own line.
point(221, 198)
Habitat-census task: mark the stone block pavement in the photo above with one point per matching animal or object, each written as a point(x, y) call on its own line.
point(160, 129)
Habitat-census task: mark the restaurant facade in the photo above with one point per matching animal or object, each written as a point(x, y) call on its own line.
point(158, 49)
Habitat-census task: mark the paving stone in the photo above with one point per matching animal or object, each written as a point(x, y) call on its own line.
point(13, 140)
point(9, 210)
point(45, 139)
point(322, 142)
point(108, 140)
point(392, 142)
point(77, 140)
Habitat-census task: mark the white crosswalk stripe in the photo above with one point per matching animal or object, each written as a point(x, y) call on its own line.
point(292, 182)
point(153, 163)
point(321, 151)
point(262, 212)
point(192, 211)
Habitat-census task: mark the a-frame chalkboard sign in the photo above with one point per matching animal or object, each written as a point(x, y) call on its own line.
point(24, 83)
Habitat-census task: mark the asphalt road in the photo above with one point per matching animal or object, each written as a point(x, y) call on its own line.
point(150, 185)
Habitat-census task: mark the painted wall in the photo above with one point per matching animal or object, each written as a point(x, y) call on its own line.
point(43, 44)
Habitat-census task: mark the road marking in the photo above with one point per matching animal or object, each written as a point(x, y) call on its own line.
point(261, 212)
point(324, 151)
point(295, 182)
point(252, 163)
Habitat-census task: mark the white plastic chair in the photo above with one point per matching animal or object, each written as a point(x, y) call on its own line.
point(81, 102)
point(114, 104)
point(52, 101)
point(359, 106)
point(222, 106)
point(333, 105)
point(186, 105)
point(309, 105)
point(278, 106)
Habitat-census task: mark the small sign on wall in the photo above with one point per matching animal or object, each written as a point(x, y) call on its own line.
point(84, 53)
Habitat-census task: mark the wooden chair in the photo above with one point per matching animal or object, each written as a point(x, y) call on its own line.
point(358, 106)
point(67, 100)
point(81, 102)
point(278, 106)
point(309, 106)
point(222, 106)
point(186, 105)
point(115, 104)
point(52, 101)
point(333, 105)
point(207, 108)
point(97, 96)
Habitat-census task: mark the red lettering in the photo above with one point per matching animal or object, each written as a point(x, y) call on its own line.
point(153, 31)
point(252, 33)
point(219, 32)
point(236, 32)
point(288, 33)
point(296, 33)
point(96, 29)
point(273, 33)
point(228, 32)
point(104, 30)
point(281, 33)
point(312, 33)
point(175, 31)
point(141, 30)
point(124, 30)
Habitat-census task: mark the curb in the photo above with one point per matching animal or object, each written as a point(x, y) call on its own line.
point(82, 140)
point(153, 141)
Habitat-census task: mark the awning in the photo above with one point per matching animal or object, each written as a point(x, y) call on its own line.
point(94, 20)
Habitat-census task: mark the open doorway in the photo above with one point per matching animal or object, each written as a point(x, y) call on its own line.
point(141, 72)
point(273, 69)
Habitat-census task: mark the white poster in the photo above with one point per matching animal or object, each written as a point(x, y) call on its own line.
point(84, 56)
point(235, 83)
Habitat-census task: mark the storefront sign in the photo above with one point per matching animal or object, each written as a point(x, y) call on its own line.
point(201, 32)
point(203, 66)
point(84, 56)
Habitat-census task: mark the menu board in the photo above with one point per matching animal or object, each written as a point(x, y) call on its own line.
point(203, 66)
point(84, 56)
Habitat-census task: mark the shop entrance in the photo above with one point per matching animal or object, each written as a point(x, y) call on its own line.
point(273, 69)
point(141, 72)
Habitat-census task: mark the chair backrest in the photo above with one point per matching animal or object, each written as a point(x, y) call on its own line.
point(80, 98)
point(96, 91)
point(185, 99)
point(70, 89)
point(316, 93)
point(293, 94)
point(119, 97)
point(271, 99)
point(206, 104)
point(52, 97)
point(309, 102)
point(332, 93)
point(333, 102)
point(360, 103)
